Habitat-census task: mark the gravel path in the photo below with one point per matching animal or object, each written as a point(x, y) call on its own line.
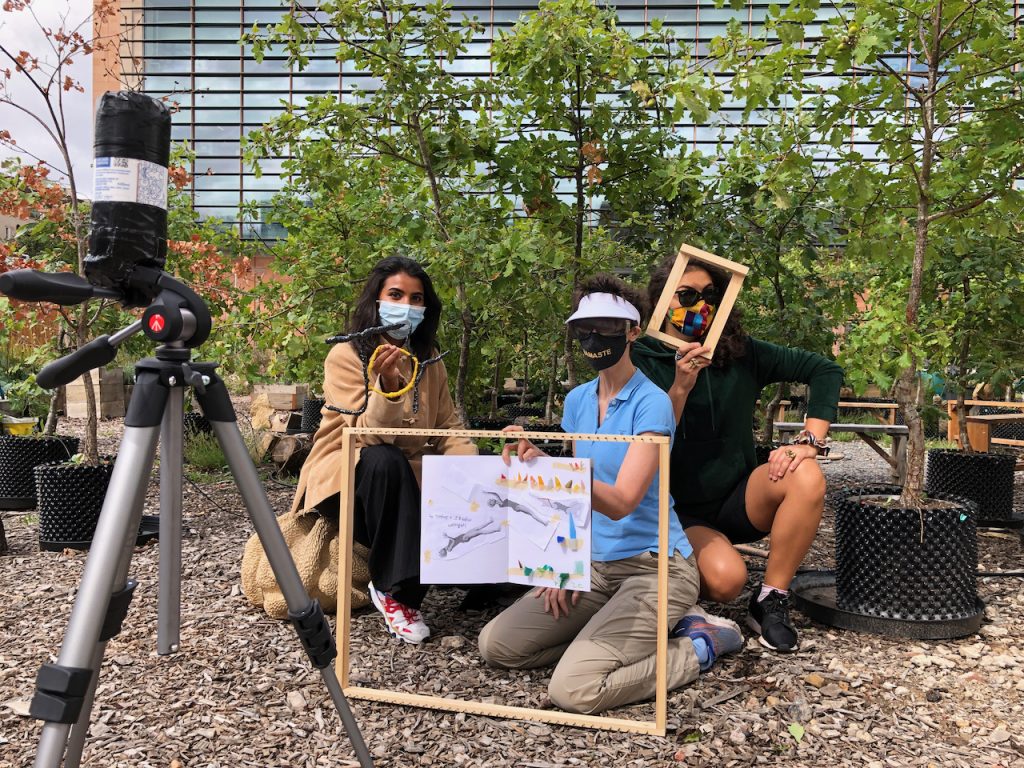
point(240, 693)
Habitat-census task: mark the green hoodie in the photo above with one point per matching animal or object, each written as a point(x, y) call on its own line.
point(714, 442)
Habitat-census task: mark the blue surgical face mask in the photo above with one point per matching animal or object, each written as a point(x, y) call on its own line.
point(410, 316)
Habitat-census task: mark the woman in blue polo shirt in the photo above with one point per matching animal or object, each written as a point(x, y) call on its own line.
point(604, 641)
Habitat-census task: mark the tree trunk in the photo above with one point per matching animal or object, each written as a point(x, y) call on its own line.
point(90, 448)
point(570, 359)
point(50, 427)
point(908, 385)
point(465, 339)
point(549, 403)
point(497, 387)
point(768, 433)
point(963, 357)
point(465, 316)
point(526, 369)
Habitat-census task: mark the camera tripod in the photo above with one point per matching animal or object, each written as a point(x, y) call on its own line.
point(178, 319)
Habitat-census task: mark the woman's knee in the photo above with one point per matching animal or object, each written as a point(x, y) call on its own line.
point(494, 649)
point(580, 687)
point(809, 481)
point(383, 460)
point(721, 581)
point(385, 453)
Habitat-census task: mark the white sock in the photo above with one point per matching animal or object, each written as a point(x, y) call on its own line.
point(767, 589)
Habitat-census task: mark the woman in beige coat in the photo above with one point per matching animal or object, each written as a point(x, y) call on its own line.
point(387, 493)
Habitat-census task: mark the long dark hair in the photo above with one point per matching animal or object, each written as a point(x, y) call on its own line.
point(424, 338)
point(733, 342)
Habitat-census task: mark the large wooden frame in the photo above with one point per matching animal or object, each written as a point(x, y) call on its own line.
point(688, 253)
point(347, 469)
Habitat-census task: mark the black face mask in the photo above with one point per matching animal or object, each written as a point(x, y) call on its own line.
point(603, 351)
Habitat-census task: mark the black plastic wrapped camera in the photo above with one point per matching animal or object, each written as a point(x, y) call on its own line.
point(129, 209)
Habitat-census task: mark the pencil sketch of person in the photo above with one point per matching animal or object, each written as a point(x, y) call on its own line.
point(498, 501)
point(488, 526)
point(561, 506)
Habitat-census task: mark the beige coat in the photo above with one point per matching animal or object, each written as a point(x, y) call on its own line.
point(343, 387)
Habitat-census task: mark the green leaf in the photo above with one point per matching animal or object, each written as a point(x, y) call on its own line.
point(796, 731)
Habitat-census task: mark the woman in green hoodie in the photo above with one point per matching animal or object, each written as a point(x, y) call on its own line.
point(721, 496)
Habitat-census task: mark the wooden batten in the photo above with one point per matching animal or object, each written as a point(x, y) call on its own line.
point(400, 698)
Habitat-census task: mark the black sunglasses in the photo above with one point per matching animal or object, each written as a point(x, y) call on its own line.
point(584, 329)
point(689, 296)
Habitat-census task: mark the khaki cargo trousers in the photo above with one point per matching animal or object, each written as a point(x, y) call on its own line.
point(605, 648)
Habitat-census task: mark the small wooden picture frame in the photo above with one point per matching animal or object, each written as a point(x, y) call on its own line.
point(687, 254)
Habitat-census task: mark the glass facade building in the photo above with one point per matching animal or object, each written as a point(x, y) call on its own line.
point(189, 51)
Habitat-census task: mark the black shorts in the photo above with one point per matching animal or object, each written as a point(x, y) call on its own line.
point(731, 519)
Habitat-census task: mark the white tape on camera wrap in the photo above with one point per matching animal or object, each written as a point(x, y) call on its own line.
point(127, 180)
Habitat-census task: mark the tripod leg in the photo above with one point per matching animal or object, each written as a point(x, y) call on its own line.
point(168, 628)
point(65, 690)
point(305, 613)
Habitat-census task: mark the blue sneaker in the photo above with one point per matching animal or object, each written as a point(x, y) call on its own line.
point(716, 634)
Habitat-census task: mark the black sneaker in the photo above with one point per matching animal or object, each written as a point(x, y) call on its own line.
point(770, 619)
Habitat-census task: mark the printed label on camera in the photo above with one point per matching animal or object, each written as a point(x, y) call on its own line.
point(126, 180)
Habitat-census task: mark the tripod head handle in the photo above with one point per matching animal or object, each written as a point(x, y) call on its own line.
point(65, 288)
point(176, 314)
point(96, 353)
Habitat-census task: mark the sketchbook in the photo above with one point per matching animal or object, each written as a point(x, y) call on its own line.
point(483, 522)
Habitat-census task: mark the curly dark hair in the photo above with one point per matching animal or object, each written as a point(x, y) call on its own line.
point(602, 282)
point(424, 339)
point(733, 343)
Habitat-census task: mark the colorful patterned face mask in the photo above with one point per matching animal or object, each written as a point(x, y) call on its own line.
point(693, 321)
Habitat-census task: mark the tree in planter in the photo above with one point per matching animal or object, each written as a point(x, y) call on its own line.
point(424, 127)
point(588, 117)
point(933, 85)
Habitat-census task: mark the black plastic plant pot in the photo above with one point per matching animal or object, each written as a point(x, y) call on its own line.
point(522, 411)
point(984, 478)
point(70, 500)
point(906, 564)
point(311, 414)
point(19, 456)
point(195, 423)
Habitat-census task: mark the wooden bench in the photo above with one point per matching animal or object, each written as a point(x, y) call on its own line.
point(889, 418)
point(979, 426)
point(896, 458)
point(979, 432)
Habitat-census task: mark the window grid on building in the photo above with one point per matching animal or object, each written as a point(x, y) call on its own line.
point(188, 51)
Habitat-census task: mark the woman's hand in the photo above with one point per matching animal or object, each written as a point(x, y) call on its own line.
point(524, 448)
point(386, 366)
point(689, 362)
point(787, 459)
point(556, 601)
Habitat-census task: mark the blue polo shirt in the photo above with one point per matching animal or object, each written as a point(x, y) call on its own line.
point(640, 406)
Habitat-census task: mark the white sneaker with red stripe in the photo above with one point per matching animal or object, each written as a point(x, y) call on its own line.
point(403, 622)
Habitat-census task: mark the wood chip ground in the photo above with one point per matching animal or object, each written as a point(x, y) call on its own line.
point(241, 693)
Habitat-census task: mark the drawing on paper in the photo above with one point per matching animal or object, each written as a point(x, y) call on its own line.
point(483, 522)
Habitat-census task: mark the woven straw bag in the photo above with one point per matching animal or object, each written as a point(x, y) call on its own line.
point(313, 541)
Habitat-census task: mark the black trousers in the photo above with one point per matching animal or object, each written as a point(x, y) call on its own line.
point(387, 522)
